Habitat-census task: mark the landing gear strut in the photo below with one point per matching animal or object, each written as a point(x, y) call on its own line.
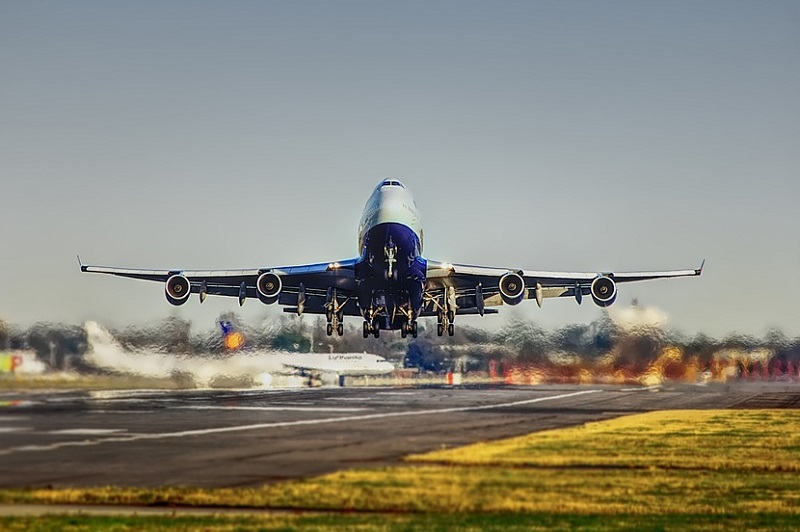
point(447, 313)
point(409, 327)
point(371, 328)
point(334, 312)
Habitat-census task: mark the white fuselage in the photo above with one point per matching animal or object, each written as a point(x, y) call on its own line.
point(390, 204)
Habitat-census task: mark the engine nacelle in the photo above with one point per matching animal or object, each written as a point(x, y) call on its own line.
point(512, 288)
point(177, 289)
point(268, 287)
point(604, 291)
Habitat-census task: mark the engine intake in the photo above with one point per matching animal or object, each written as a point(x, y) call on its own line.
point(512, 288)
point(177, 289)
point(268, 287)
point(604, 291)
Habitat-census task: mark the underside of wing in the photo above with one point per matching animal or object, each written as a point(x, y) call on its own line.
point(309, 288)
point(473, 288)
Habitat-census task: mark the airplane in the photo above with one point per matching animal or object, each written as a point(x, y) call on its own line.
point(390, 284)
point(107, 352)
point(350, 364)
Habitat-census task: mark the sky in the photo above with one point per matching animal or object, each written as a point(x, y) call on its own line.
point(574, 135)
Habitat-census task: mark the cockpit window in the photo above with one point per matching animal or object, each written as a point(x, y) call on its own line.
point(392, 183)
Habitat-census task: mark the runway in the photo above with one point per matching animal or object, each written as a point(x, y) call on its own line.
point(226, 438)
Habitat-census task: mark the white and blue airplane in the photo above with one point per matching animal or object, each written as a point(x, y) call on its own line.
point(390, 284)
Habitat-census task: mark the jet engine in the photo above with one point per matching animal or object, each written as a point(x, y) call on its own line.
point(268, 287)
point(177, 289)
point(604, 291)
point(512, 288)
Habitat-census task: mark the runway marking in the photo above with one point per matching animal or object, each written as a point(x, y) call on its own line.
point(348, 398)
point(6, 430)
point(396, 393)
point(642, 388)
point(322, 421)
point(86, 432)
point(276, 408)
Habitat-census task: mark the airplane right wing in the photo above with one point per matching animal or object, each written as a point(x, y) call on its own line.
point(470, 289)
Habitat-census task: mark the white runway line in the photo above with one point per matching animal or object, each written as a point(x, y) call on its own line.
point(642, 388)
point(275, 408)
point(6, 430)
point(86, 432)
point(349, 398)
point(257, 426)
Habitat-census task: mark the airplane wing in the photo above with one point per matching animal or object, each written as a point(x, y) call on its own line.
point(472, 288)
point(301, 288)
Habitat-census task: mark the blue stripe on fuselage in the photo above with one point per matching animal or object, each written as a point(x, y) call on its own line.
point(405, 285)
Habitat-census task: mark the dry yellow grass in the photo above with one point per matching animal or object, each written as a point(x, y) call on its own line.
point(767, 440)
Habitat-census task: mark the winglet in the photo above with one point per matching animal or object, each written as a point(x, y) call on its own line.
point(699, 271)
point(81, 264)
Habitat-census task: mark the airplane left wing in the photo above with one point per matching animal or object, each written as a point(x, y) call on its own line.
point(470, 289)
point(302, 288)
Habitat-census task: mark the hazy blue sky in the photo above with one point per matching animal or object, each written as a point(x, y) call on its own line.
point(544, 135)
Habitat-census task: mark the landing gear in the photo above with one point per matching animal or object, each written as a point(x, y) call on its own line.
point(409, 327)
point(334, 312)
point(447, 311)
point(372, 329)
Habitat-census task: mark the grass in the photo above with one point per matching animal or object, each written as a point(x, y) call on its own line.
point(706, 470)
point(422, 523)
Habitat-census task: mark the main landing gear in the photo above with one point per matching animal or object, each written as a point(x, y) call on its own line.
point(409, 327)
point(371, 328)
point(446, 323)
point(447, 312)
point(334, 312)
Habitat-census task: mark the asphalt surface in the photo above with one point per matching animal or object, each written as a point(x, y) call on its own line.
point(215, 438)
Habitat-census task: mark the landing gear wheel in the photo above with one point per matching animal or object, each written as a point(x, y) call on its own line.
point(414, 329)
point(366, 329)
point(451, 316)
point(340, 329)
point(451, 330)
point(376, 333)
point(439, 330)
point(329, 329)
point(403, 331)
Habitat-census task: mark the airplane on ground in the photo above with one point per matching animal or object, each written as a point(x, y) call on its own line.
point(390, 284)
point(107, 352)
point(350, 364)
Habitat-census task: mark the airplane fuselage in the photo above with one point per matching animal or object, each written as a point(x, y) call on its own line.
point(390, 273)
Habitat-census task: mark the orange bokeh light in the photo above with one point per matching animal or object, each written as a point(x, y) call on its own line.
point(234, 341)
